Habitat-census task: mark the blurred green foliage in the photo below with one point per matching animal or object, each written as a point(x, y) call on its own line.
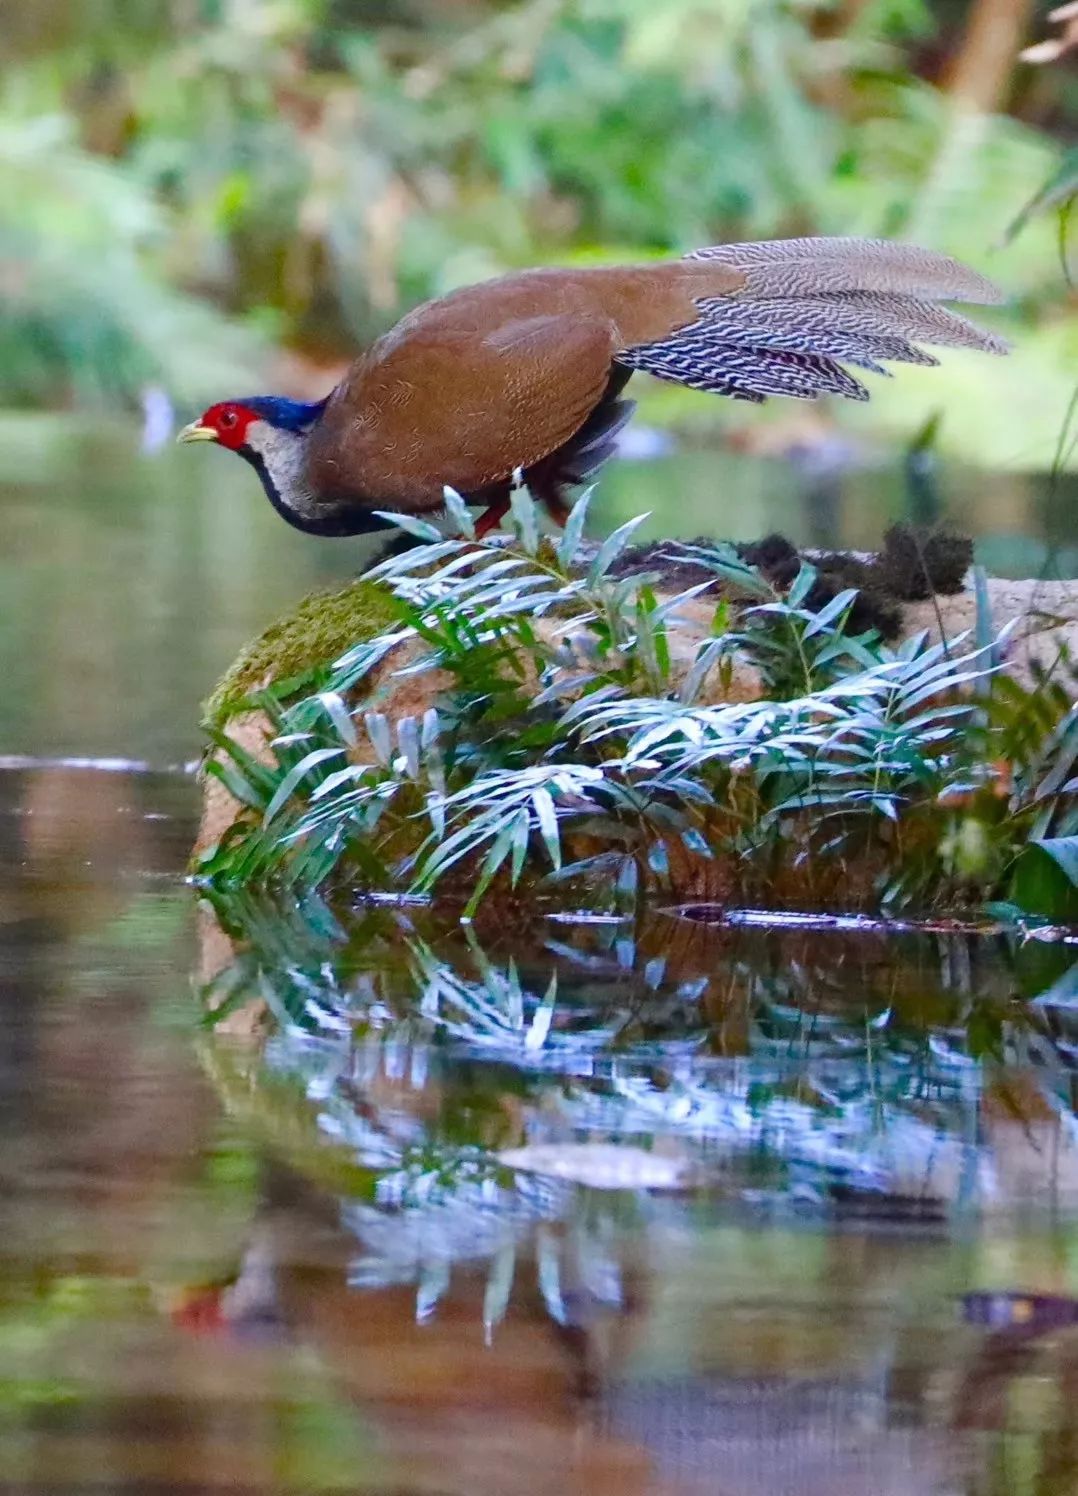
point(186, 183)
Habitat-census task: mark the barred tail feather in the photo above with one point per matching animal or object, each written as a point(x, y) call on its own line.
point(806, 303)
point(743, 373)
point(822, 323)
point(795, 267)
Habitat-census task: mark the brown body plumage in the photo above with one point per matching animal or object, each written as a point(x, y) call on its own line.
point(524, 372)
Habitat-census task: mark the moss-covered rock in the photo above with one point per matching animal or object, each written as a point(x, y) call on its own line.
point(291, 653)
point(295, 653)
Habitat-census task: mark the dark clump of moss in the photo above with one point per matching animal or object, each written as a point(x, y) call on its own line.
point(917, 563)
point(874, 607)
point(911, 564)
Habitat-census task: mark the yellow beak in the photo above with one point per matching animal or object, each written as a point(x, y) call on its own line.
point(196, 432)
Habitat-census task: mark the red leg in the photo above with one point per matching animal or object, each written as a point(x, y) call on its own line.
point(492, 516)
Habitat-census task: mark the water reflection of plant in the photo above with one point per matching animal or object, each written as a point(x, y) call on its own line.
point(426, 1056)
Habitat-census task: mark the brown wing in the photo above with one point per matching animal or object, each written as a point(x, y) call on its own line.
point(438, 404)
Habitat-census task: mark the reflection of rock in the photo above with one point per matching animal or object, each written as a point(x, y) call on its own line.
point(470, 1388)
point(216, 953)
point(101, 1110)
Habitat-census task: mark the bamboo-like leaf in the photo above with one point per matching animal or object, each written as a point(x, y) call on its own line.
point(431, 1288)
point(539, 1027)
point(708, 656)
point(695, 842)
point(498, 1289)
point(830, 613)
point(411, 525)
point(351, 774)
point(295, 777)
point(458, 512)
point(547, 817)
point(549, 1273)
point(259, 775)
point(1060, 186)
point(333, 705)
point(725, 562)
point(236, 783)
point(525, 524)
point(521, 836)
point(801, 585)
point(408, 739)
point(378, 731)
point(612, 548)
point(569, 544)
point(498, 851)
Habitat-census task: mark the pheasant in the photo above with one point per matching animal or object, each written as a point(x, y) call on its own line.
point(525, 374)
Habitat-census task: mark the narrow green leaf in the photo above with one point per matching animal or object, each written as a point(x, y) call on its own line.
point(295, 776)
point(497, 853)
point(333, 705)
point(377, 726)
point(547, 817)
point(569, 544)
point(1061, 184)
point(413, 526)
point(499, 1288)
point(521, 837)
point(801, 585)
point(236, 783)
point(525, 524)
point(458, 512)
point(831, 612)
point(1045, 880)
point(408, 739)
point(539, 1028)
point(694, 842)
point(612, 548)
point(261, 777)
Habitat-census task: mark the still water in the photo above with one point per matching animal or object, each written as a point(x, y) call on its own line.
point(334, 1200)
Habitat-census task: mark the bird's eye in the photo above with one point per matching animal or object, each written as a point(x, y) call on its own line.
point(228, 419)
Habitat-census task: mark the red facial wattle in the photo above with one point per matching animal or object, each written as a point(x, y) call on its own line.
point(229, 423)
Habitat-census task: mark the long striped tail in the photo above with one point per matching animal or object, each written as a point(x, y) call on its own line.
point(809, 305)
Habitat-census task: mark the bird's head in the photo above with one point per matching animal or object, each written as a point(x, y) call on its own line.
point(258, 426)
point(271, 433)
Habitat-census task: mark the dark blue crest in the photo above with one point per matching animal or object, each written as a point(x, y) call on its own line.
point(289, 415)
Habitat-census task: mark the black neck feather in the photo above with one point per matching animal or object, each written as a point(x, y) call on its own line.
point(333, 518)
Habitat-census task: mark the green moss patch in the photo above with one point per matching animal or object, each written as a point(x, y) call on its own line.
point(296, 648)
